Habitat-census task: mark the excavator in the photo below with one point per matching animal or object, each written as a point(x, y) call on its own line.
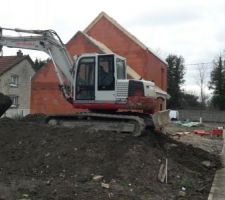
point(97, 83)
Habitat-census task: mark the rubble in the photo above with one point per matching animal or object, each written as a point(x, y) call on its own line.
point(97, 177)
point(105, 185)
point(206, 163)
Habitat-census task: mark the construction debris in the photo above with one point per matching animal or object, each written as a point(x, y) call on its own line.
point(97, 178)
point(105, 185)
point(187, 123)
point(206, 163)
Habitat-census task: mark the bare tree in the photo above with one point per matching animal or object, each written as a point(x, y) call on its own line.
point(202, 77)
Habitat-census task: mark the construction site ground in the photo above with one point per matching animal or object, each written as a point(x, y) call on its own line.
point(42, 162)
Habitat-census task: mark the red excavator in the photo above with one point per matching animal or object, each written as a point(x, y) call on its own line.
point(95, 82)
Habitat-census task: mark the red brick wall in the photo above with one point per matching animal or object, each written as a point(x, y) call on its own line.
point(142, 61)
point(45, 95)
point(79, 44)
point(156, 70)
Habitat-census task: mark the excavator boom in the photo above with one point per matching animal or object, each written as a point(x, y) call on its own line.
point(49, 42)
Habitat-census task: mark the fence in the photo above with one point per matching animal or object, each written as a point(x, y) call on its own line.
point(206, 115)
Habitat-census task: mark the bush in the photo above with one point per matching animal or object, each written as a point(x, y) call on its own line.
point(218, 102)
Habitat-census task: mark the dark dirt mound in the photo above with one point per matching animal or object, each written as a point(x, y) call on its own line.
point(42, 162)
point(37, 118)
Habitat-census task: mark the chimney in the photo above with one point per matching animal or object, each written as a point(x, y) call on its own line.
point(19, 53)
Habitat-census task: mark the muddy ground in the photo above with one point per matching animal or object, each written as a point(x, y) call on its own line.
point(210, 143)
point(40, 162)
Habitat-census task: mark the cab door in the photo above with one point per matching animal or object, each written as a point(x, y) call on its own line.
point(105, 78)
point(85, 79)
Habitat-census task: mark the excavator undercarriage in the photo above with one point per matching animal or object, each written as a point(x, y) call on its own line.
point(123, 122)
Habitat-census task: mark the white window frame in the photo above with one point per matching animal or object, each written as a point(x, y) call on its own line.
point(14, 80)
point(15, 101)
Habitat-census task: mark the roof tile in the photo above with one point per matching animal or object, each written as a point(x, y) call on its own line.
point(7, 62)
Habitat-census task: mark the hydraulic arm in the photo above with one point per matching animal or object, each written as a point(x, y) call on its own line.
point(49, 42)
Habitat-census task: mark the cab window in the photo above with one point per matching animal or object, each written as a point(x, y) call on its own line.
point(106, 79)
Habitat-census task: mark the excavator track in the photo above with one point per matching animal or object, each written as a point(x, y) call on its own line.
point(5, 103)
point(123, 123)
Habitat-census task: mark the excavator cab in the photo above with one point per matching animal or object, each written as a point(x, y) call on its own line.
point(96, 76)
point(101, 84)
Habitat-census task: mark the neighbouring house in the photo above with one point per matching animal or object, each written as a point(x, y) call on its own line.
point(103, 35)
point(15, 81)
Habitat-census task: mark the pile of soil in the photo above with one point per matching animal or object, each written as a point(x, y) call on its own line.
point(36, 118)
point(38, 161)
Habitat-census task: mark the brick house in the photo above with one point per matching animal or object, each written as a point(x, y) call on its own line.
point(15, 81)
point(142, 60)
point(103, 35)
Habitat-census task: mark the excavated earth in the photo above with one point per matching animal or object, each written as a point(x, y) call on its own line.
point(40, 162)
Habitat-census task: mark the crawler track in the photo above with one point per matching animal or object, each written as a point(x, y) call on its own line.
point(99, 121)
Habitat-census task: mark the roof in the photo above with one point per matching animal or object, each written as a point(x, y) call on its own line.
point(8, 62)
point(102, 47)
point(132, 37)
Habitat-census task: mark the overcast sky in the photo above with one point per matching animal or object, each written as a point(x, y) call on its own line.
point(190, 28)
